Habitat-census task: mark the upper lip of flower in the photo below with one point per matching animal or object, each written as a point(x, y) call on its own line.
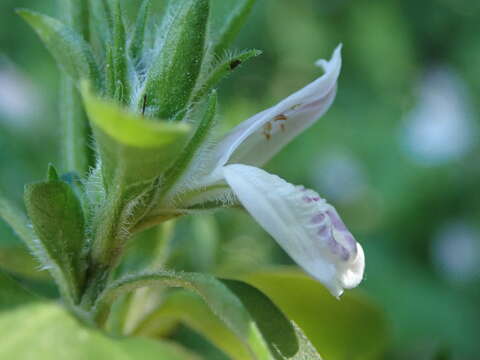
point(288, 118)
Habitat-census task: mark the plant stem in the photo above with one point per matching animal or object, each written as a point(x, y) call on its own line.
point(78, 155)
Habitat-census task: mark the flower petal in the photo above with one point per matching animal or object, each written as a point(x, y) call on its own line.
point(259, 138)
point(305, 225)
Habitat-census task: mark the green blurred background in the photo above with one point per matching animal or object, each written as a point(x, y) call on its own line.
point(397, 154)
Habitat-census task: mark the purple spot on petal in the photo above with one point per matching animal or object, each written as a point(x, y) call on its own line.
point(324, 232)
point(351, 242)
point(333, 245)
point(344, 254)
point(318, 218)
point(336, 221)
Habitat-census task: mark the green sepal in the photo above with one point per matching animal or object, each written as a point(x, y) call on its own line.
point(233, 24)
point(138, 40)
point(220, 70)
point(102, 24)
point(173, 72)
point(238, 305)
point(134, 152)
point(58, 221)
point(201, 134)
point(72, 53)
point(119, 56)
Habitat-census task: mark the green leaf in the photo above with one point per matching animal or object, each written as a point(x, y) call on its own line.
point(68, 48)
point(306, 350)
point(243, 309)
point(191, 310)
point(233, 25)
point(58, 221)
point(220, 71)
point(272, 323)
point(42, 330)
point(328, 323)
point(174, 71)
point(20, 225)
point(133, 149)
point(138, 40)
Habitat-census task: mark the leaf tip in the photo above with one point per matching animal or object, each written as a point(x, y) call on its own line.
point(52, 173)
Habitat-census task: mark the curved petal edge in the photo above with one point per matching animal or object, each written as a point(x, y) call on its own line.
point(304, 225)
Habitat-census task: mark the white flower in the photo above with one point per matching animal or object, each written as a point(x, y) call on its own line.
point(305, 225)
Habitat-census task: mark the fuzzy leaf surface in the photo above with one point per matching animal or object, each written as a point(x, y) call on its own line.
point(174, 71)
point(31, 328)
point(72, 53)
point(58, 221)
point(133, 149)
point(329, 323)
point(249, 314)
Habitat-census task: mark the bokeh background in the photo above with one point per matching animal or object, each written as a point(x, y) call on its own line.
point(398, 155)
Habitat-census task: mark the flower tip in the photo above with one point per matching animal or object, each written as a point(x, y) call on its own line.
point(353, 276)
point(335, 60)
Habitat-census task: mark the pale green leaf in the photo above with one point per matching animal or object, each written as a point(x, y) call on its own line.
point(191, 310)
point(329, 323)
point(243, 309)
point(138, 40)
point(34, 329)
point(133, 149)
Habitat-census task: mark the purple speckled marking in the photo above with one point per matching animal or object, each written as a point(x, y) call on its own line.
point(318, 218)
point(310, 199)
point(325, 232)
point(351, 242)
point(338, 249)
point(336, 221)
point(344, 254)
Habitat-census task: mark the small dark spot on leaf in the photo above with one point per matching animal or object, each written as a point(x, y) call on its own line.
point(234, 64)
